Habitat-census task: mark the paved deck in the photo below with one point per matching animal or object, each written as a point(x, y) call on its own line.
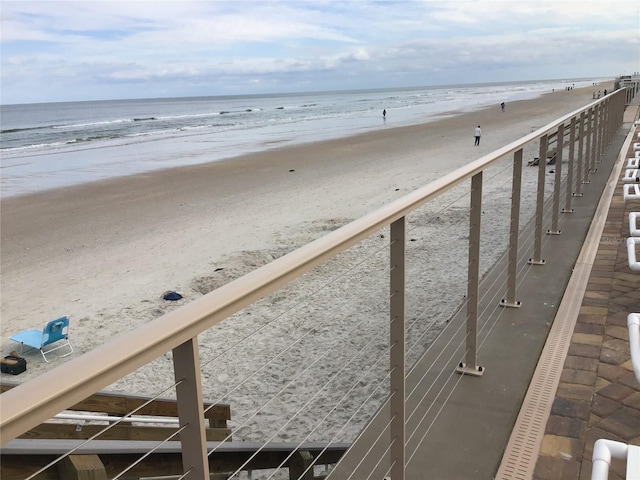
point(598, 395)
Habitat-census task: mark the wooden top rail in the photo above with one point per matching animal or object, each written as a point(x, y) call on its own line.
point(20, 458)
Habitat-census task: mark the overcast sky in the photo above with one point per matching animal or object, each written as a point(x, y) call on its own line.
point(92, 49)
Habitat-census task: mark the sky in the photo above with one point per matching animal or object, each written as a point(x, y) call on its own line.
point(54, 51)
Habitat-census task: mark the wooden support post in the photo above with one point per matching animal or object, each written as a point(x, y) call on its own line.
point(301, 466)
point(82, 467)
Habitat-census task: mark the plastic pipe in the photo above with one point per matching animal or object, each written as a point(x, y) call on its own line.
point(634, 230)
point(633, 321)
point(112, 419)
point(631, 191)
point(603, 451)
point(631, 253)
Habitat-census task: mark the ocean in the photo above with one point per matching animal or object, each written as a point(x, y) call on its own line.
point(54, 145)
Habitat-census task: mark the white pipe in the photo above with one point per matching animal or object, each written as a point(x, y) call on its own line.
point(634, 230)
point(631, 253)
point(112, 419)
point(631, 191)
point(633, 321)
point(631, 176)
point(603, 450)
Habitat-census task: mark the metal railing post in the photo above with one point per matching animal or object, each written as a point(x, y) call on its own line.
point(587, 151)
point(397, 347)
point(557, 184)
point(604, 134)
point(581, 130)
point(608, 130)
point(469, 366)
point(537, 242)
point(186, 365)
point(570, 166)
point(594, 141)
point(514, 228)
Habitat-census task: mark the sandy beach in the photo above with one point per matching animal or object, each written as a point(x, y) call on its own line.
point(103, 253)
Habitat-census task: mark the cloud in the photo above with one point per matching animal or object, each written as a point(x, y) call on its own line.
point(59, 50)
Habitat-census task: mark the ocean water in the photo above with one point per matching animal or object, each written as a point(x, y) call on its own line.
point(53, 145)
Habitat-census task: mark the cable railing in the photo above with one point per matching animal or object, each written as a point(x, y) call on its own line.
point(382, 342)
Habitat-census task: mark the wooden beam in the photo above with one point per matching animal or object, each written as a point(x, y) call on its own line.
point(82, 467)
point(118, 432)
point(20, 458)
point(120, 404)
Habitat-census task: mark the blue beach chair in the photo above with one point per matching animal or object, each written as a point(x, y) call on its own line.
point(55, 331)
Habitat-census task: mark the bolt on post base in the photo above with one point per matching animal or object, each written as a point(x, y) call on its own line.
point(476, 371)
point(505, 303)
point(531, 261)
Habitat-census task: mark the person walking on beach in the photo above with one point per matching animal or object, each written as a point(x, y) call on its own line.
point(477, 133)
point(384, 113)
point(502, 106)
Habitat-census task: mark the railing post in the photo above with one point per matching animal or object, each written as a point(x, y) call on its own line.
point(397, 347)
point(514, 228)
point(186, 366)
point(579, 181)
point(570, 166)
point(604, 135)
point(469, 366)
point(587, 151)
point(557, 183)
point(615, 102)
point(301, 466)
point(594, 143)
point(605, 124)
point(537, 242)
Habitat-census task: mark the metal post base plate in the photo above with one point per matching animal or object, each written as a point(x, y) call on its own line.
point(531, 261)
point(476, 371)
point(505, 303)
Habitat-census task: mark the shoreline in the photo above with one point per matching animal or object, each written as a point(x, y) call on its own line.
point(269, 146)
point(104, 252)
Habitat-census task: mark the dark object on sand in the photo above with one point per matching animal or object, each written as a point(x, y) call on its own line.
point(171, 296)
point(13, 364)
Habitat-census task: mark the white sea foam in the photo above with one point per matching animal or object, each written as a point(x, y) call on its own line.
point(53, 138)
